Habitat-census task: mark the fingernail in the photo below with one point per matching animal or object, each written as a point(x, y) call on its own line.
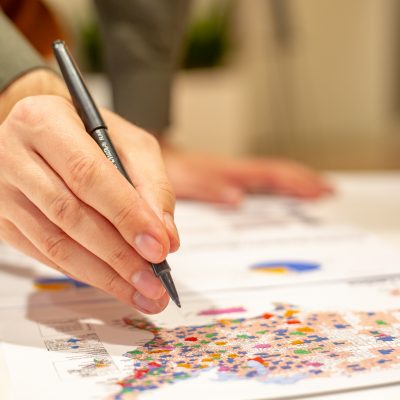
point(148, 284)
point(148, 247)
point(145, 304)
point(172, 232)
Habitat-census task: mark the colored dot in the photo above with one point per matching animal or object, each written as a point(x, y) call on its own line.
point(267, 316)
point(301, 351)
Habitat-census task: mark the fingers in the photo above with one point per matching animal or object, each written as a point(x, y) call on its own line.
point(84, 225)
point(66, 205)
point(215, 190)
point(146, 169)
point(11, 235)
point(280, 176)
point(60, 249)
point(75, 157)
point(200, 178)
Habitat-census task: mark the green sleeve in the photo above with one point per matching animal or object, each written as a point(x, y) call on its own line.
point(16, 55)
point(142, 41)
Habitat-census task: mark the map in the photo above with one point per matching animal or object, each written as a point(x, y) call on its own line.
point(242, 346)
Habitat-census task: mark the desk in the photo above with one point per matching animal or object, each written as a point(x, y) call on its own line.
point(367, 200)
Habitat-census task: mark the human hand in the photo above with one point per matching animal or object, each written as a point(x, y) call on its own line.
point(226, 180)
point(65, 204)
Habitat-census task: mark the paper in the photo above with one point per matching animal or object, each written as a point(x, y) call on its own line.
point(276, 303)
point(221, 247)
point(278, 343)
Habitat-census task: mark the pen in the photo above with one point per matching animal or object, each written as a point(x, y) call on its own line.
point(97, 129)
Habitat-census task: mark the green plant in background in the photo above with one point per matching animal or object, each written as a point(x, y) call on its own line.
point(207, 41)
point(92, 47)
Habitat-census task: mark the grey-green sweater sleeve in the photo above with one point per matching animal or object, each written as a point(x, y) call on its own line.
point(16, 55)
point(142, 42)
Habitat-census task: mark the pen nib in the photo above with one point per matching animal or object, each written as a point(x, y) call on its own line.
point(162, 270)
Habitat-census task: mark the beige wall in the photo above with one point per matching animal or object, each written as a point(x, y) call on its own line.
point(326, 98)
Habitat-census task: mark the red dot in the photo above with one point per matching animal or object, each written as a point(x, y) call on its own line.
point(191, 339)
point(140, 373)
point(267, 316)
point(154, 364)
point(293, 321)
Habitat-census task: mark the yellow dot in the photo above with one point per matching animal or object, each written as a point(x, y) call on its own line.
point(297, 342)
point(305, 329)
point(290, 313)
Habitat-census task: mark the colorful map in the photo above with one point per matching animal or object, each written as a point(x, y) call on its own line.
point(283, 346)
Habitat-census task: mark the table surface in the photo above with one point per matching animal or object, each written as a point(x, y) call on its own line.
point(369, 200)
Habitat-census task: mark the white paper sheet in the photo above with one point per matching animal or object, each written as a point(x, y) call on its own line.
point(60, 346)
point(78, 343)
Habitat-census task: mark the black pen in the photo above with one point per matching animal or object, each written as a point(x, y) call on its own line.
point(97, 129)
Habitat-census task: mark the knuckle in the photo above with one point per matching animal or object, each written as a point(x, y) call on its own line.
point(150, 140)
point(82, 171)
point(55, 247)
point(167, 193)
point(65, 210)
point(112, 283)
point(120, 257)
point(27, 111)
point(125, 216)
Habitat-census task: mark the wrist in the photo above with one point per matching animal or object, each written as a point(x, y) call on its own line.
point(33, 83)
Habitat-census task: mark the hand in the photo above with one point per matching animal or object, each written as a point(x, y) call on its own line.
point(226, 180)
point(64, 203)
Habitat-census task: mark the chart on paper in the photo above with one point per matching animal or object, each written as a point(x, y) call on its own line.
point(269, 242)
point(259, 344)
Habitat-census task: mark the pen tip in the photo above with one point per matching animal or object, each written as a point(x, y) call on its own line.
point(178, 303)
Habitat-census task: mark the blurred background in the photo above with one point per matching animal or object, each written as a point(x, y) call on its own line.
point(314, 80)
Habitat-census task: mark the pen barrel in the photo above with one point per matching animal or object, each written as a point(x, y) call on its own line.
point(81, 97)
point(100, 136)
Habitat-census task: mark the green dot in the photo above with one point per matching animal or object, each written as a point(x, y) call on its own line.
point(135, 352)
point(301, 351)
point(380, 322)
